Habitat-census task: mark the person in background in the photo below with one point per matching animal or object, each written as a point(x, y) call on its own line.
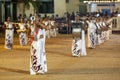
point(91, 33)
point(9, 33)
point(22, 32)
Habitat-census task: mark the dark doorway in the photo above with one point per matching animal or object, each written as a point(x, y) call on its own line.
point(106, 12)
point(14, 12)
point(7, 10)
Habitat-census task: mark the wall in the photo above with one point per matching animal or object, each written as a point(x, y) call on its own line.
point(59, 7)
point(73, 5)
point(112, 8)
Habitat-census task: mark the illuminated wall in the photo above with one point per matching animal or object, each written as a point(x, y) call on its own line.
point(72, 5)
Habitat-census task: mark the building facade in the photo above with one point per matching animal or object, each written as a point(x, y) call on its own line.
point(14, 8)
point(103, 6)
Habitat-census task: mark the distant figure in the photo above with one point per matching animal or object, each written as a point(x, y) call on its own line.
point(106, 14)
point(91, 33)
point(22, 32)
point(72, 17)
point(9, 32)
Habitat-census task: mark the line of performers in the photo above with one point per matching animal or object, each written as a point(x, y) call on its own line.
point(98, 31)
point(23, 27)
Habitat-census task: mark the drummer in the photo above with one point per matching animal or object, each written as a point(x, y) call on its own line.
point(22, 32)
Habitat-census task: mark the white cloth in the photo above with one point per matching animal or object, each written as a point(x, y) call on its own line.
point(38, 57)
point(9, 33)
point(78, 46)
point(98, 39)
point(91, 35)
point(22, 35)
point(83, 52)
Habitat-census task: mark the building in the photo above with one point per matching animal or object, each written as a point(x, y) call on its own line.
point(14, 8)
point(104, 6)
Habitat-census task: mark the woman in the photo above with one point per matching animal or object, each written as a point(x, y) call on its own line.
point(38, 63)
point(98, 27)
point(91, 34)
point(9, 34)
point(22, 31)
point(78, 45)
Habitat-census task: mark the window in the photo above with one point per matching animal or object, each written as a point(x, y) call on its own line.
point(67, 1)
point(105, 4)
point(46, 6)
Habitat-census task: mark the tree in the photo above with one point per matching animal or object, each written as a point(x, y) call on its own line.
point(26, 5)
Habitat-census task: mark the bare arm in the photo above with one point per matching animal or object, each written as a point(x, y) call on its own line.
point(42, 25)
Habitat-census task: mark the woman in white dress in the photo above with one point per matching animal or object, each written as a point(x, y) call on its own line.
point(9, 34)
point(78, 45)
point(38, 63)
point(91, 34)
point(97, 25)
point(22, 32)
point(53, 31)
point(46, 22)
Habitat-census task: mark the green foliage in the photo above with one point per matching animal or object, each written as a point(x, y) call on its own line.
point(26, 5)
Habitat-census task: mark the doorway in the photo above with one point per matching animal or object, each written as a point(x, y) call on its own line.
point(106, 12)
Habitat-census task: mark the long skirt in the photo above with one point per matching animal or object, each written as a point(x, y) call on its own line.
point(78, 46)
point(38, 58)
point(83, 53)
point(48, 33)
point(23, 39)
point(53, 32)
point(91, 40)
point(9, 39)
point(97, 39)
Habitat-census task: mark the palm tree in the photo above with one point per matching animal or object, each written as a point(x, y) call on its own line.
point(26, 5)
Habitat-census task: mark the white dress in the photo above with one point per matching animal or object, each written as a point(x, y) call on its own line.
point(110, 28)
point(38, 57)
point(83, 46)
point(98, 39)
point(91, 35)
point(53, 32)
point(78, 45)
point(22, 35)
point(47, 24)
point(9, 35)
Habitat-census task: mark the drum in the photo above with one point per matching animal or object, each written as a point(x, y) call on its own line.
point(76, 30)
point(21, 31)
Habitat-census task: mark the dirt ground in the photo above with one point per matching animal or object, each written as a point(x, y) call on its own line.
point(101, 63)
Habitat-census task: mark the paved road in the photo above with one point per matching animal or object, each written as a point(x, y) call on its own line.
point(101, 63)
